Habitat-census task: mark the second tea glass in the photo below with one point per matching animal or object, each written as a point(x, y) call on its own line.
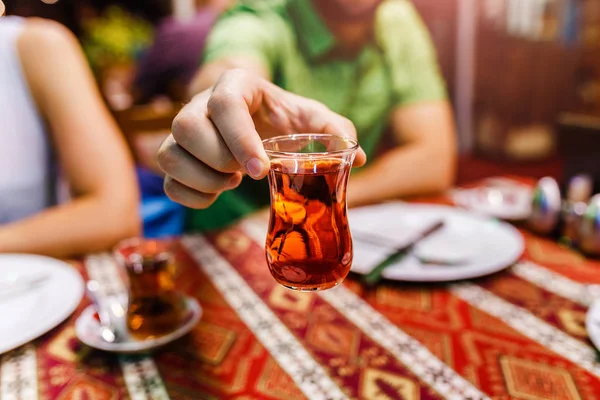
point(155, 308)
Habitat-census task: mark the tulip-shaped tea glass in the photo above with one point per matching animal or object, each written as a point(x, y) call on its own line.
point(154, 308)
point(309, 246)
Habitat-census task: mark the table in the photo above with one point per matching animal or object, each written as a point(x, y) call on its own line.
point(519, 334)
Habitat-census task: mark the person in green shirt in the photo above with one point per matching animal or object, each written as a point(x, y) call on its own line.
point(346, 67)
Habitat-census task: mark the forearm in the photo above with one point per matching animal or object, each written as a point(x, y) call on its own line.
point(409, 170)
point(85, 225)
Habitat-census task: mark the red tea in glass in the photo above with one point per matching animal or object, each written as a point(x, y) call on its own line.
point(308, 245)
point(154, 307)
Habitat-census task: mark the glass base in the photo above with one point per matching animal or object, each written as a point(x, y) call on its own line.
point(309, 288)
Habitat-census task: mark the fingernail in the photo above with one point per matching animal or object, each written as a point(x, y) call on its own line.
point(255, 168)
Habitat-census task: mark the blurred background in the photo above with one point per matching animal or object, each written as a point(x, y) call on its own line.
point(523, 75)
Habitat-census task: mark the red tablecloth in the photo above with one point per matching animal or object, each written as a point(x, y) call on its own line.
point(519, 334)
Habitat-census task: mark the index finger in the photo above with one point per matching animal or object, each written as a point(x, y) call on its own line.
point(230, 107)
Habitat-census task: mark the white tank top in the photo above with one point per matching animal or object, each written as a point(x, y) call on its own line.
point(26, 173)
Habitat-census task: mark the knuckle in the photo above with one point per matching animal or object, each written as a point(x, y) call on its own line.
point(166, 157)
point(220, 100)
point(226, 91)
point(185, 126)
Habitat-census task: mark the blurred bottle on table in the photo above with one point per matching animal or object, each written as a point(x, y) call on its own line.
point(579, 192)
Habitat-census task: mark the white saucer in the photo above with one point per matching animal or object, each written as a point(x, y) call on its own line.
point(31, 312)
point(592, 323)
point(499, 198)
point(471, 245)
point(87, 329)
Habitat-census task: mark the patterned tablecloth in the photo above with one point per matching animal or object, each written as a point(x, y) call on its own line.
point(519, 334)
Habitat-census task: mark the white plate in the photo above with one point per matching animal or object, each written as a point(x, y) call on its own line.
point(479, 246)
point(29, 314)
point(87, 329)
point(592, 323)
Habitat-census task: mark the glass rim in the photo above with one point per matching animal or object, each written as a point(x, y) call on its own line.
point(311, 136)
point(136, 241)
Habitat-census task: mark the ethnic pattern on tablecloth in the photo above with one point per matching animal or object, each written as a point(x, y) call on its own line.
point(142, 378)
point(404, 348)
point(291, 355)
point(519, 334)
point(359, 365)
point(221, 358)
point(566, 262)
point(417, 358)
point(529, 325)
point(307, 313)
point(556, 283)
point(560, 312)
point(472, 342)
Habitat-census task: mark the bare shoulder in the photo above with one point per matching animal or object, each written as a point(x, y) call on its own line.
point(47, 30)
point(45, 38)
point(48, 51)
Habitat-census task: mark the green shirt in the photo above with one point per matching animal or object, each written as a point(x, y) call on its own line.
point(288, 37)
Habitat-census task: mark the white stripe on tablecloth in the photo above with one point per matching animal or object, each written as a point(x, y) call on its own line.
point(407, 350)
point(102, 267)
point(556, 283)
point(140, 373)
point(142, 378)
point(18, 376)
point(310, 377)
point(529, 325)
